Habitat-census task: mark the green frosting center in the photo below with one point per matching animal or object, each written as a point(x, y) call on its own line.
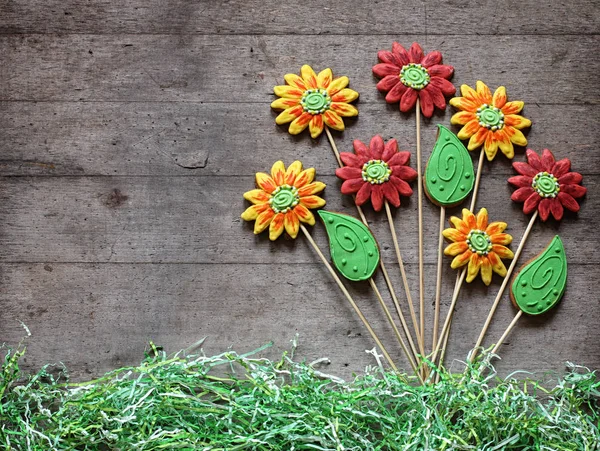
point(315, 101)
point(284, 198)
point(376, 172)
point(546, 185)
point(414, 76)
point(490, 117)
point(479, 242)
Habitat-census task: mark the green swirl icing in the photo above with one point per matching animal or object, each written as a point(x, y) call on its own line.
point(353, 248)
point(449, 176)
point(540, 284)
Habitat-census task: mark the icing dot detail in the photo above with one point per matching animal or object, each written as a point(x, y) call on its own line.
point(479, 242)
point(376, 172)
point(546, 185)
point(284, 198)
point(414, 76)
point(315, 101)
point(490, 117)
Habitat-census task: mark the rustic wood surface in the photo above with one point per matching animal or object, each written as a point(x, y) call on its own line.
point(130, 129)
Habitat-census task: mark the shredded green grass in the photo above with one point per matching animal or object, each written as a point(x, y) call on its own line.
point(242, 402)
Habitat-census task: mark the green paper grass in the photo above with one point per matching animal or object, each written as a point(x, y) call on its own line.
point(241, 402)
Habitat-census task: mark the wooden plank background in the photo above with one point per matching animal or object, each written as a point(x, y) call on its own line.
point(130, 129)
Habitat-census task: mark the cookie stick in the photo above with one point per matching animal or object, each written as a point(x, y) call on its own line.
point(547, 187)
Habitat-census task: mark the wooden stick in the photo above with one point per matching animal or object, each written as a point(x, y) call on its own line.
point(348, 297)
point(445, 345)
point(507, 331)
point(420, 211)
point(381, 264)
point(503, 286)
point(438, 285)
point(446, 327)
point(404, 279)
point(396, 331)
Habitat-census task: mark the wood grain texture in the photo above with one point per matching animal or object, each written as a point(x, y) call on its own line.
point(130, 130)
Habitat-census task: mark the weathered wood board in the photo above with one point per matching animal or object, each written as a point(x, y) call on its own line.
point(129, 131)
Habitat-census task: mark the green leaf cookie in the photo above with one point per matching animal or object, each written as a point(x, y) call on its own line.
point(353, 248)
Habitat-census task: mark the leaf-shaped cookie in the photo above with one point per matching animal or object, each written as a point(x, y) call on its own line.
point(353, 248)
point(540, 284)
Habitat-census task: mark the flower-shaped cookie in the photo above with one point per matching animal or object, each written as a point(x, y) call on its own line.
point(283, 199)
point(406, 75)
point(479, 244)
point(314, 101)
point(547, 185)
point(489, 121)
point(376, 172)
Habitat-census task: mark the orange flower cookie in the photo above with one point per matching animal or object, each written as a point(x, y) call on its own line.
point(479, 244)
point(489, 120)
point(283, 199)
point(313, 101)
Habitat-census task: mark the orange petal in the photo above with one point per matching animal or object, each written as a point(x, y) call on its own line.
point(312, 201)
point(344, 109)
point(518, 137)
point(517, 121)
point(292, 172)
point(265, 182)
point(497, 264)
point(482, 219)
point(299, 124)
point(469, 219)
point(464, 104)
point(502, 251)
point(491, 145)
point(486, 270)
point(462, 117)
point(473, 269)
point(295, 81)
point(454, 235)
point(456, 248)
point(289, 92)
point(278, 173)
point(316, 125)
point(459, 225)
point(461, 260)
point(289, 115)
point(501, 238)
point(309, 76)
point(292, 224)
point(276, 226)
point(345, 95)
point(333, 120)
point(305, 177)
point(263, 220)
point(257, 196)
point(513, 107)
point(337, 85)
point(499, 99)
point(496, 227)
point(310, 189)
point(505, 144)
point(469, 93)
point(469, 129)
point(252, 212)
point(304, 214)
point(324, 78)
point(478, 139)
point(484, 93)
point(284, 103)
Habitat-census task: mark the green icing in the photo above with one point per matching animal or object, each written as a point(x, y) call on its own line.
point(541, 283)
point(353, 248)
point(449, 176)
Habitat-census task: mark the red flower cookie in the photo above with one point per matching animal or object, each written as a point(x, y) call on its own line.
point(375, 172)
point(546, 185)
point(406, 75)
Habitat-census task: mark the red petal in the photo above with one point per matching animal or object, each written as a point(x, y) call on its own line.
point(576, 191)
point(544, 208)
point(352, 160)
point(400, 53)
point(442, 71)
point(402, 187)
point(352, 186)
point(376, 197)
point(396, 93)
point(531, 203)
point(388, 82)
point(547, 160)
point(445, 86)
point(570, 178)
point(383, 69)
point(376, 146)
point(347, 173)
point(534, 160)
point(426, 103)
point(408, 100)
point(404, 173)
point(391, 149)
point(361, 149)
point(399, 159)
point(436, 95)
point(431, 59)
point(415, 53)
point(391, 193)
point(385, 56)
point(568, 201)
point(561, 167)
point(556, 209)
point(521, 194)
point(524, 169)
point(520, 181)
point(364, 193)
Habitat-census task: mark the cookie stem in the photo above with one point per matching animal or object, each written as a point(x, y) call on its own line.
point(420, 213)
point(438, 285)
point(507, 331)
